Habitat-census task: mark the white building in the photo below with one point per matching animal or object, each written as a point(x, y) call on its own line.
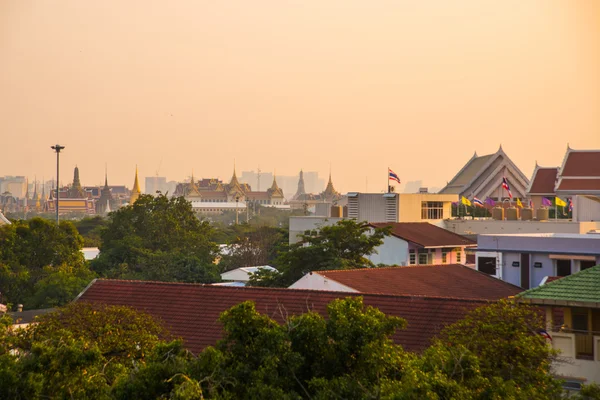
point(239, 276)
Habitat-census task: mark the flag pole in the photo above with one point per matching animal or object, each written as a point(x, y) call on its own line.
point(388, 180)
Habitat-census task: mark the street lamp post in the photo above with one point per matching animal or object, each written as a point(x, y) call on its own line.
point(57, 148)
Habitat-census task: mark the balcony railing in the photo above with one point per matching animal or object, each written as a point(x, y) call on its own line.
point(582, 343)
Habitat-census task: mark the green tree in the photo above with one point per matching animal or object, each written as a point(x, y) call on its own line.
point(307, 356)
point(503, 336)
point(253, 246)
point(37, 243)
point(38, 260)
point(157, 238)
point(80, 351)
point(90, 228)
point(343, 245)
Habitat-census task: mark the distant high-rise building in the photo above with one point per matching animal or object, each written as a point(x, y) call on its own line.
point(156, 183)
point(15, 185)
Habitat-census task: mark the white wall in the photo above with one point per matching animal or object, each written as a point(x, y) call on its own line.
point(314, 281)
point(393, 251)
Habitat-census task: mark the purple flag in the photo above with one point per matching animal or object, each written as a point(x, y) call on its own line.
point(546, 202)
point(490, 202)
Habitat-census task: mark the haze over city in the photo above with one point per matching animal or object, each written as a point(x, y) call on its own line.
point(356, 85)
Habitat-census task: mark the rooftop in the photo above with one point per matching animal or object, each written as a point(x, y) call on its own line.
point(580, 289)
point(579, 163)
point(191, 311)
point(425, 234)
point(451, 280)
point(543, 181)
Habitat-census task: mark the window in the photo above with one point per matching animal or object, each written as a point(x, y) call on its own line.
point(423, 257)
point(458, 256)
point(432, 210)
point(487, 265)
point(412, 260)
point(563, 267)
point(587, 264)
point(444, 256)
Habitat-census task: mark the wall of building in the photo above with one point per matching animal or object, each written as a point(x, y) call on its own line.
point(487, 226)
point(573, 367)
point(410, 205)
point(314, 281)
point(586, 208)
point(393, 251)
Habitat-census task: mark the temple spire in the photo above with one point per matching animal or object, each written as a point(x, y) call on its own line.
point(135, 192)
point(301, 190)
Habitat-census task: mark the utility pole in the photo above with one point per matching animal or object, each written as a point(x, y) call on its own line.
point(57, 148)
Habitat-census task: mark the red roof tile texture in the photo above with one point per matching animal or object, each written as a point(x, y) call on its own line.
point(426, 234)
point(451, 280)
point(191, 311)
point(579, 184)
point(582, 163)
point(544, 181)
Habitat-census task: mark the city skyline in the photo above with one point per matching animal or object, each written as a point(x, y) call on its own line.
point(353, 86)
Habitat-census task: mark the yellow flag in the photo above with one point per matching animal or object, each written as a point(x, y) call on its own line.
point(465, 201)
point(519, 204)
point(559, 202)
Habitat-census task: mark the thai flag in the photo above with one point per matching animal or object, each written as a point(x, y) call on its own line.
point(505, 186)
point(393, 176)
point(544, 334)
point(570, 204)
point(477, 202)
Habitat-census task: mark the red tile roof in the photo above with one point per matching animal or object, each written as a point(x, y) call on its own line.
point(190, 311)
point(425, 234)
point(543, 181)
point(579, 184)
point(582, 163)
point(451, 280)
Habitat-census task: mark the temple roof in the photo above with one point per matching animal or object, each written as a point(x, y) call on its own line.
point(482, 177)
point(275, 190)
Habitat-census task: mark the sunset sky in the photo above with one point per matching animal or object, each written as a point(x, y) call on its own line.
point(359, 85)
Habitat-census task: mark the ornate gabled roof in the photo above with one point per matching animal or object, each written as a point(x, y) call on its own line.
point(192, 189)
point(482, 176)
point(330, 192)
point(234, 185)
point(275, 191)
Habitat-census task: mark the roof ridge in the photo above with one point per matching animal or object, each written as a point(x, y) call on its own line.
point(386, 268)
point(284, 290)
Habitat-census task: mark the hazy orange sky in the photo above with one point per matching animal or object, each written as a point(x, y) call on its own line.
point(363, 85)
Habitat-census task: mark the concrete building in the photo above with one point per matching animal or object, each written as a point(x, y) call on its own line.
point(481, 177)
point(473, 227)
point(15, 185)
point(526, 260)
point(577, 336)
point(400, 207)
